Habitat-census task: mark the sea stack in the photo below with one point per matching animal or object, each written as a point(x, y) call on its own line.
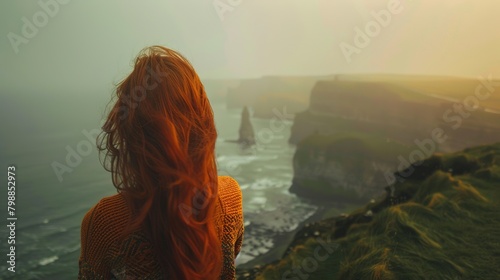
point(246, 129)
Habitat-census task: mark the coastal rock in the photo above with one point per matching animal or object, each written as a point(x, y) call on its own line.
point(246, 132)
point(247, 136)
point(342, 168)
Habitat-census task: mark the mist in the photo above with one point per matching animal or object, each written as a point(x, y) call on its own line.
point(90, 45)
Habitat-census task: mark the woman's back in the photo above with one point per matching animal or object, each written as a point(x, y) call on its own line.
point(104, 256)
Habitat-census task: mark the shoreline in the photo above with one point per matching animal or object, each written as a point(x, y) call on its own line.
point(281, 242)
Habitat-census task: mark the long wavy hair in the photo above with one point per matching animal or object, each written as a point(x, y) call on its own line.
point(159, 142)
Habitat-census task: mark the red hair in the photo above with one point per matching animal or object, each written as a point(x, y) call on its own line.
point(159, 141)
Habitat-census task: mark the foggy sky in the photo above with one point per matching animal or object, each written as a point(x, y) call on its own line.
point(90, 44)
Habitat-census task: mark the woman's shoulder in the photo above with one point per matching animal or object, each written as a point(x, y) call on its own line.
point(113, 201)
point(109, 212)
point(230, 194)
point(111, 204)
point(228, 186)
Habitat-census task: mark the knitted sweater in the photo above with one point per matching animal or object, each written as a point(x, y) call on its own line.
point(104, 257)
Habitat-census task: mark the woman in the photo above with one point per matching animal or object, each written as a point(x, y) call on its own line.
point(173, 216)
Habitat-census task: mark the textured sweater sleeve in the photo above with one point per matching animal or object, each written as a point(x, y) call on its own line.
point(239, 240)
point(234, 210)
point(240, 228)
point(232, 215)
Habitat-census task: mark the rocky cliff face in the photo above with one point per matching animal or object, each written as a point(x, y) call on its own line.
point(331, 181)
point(365, 107)
point(355, 134)
point(343, 168)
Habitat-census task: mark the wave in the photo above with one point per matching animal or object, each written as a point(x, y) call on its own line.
point(46, 261)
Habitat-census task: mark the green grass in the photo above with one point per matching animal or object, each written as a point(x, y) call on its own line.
point(415, 87)
point(352, 144)
point(445, 225)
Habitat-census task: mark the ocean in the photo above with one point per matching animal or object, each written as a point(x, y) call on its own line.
point(39, 134)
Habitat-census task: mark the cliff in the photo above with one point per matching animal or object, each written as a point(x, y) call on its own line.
point(345, 167)
point(365, 107)
point(217, 89)
point(401, 110)
point(441, 222)
point(273, 92)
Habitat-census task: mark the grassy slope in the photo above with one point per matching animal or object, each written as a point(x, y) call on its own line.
point(348, 144)
point(459, 89)
point(442, 223)
point(420, 89)
point(451, 87)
